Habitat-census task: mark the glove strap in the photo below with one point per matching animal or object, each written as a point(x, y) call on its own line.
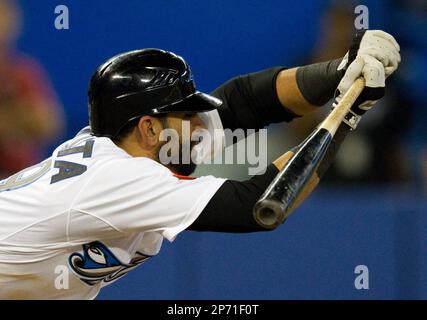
point(355, 46)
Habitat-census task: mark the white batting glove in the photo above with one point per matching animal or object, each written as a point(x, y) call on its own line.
point(374, 54)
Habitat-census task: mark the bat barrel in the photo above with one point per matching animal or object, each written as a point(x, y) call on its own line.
point(269, 213)
point(272, 208)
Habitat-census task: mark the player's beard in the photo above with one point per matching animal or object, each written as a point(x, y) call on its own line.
point(184, 169)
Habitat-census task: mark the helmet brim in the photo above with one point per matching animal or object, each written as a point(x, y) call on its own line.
point(196, 102)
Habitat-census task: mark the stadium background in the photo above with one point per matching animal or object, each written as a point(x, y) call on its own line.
point(313, 256)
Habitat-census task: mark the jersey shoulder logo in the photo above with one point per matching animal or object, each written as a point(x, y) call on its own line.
point(99, 264)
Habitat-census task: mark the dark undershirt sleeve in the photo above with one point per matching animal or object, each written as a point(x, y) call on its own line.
point(317, 82)
point(230, 209)
point(250, 101)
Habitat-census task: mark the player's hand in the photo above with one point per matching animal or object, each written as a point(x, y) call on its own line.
point(374, 54)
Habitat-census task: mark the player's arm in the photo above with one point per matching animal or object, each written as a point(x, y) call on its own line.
point(230, 210)
point(278, 94)
point(275, 95)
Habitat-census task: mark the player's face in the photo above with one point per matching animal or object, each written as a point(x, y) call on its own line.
point(184, 124)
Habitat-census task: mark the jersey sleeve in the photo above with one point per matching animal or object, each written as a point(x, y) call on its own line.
point(141, 195)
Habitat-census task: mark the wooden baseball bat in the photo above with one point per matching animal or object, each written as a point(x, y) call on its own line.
point(273, 207)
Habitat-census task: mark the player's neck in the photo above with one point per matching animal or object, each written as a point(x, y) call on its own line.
point(135, 150)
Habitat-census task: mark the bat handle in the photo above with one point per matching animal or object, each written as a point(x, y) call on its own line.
point(333, 121)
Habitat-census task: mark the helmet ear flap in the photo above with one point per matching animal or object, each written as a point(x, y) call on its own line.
point(142, 82)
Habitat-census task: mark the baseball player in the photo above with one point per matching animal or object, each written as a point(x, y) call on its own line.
point(103, 202)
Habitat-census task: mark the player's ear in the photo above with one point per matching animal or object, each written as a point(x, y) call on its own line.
point(149, 129)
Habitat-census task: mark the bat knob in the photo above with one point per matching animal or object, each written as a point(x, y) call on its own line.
point(269, 213)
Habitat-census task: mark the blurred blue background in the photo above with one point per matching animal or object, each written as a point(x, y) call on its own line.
point(313, 256)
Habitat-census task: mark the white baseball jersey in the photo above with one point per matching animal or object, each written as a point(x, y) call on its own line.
point(88, 215)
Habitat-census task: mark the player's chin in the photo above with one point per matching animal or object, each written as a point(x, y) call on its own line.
point(184, 169)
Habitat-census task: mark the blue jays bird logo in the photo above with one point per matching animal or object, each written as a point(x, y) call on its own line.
point(99, 264)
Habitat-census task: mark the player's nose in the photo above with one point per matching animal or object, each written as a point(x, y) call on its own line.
point(197, 123)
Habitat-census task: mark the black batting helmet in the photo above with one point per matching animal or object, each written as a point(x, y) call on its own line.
point(142, 82)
